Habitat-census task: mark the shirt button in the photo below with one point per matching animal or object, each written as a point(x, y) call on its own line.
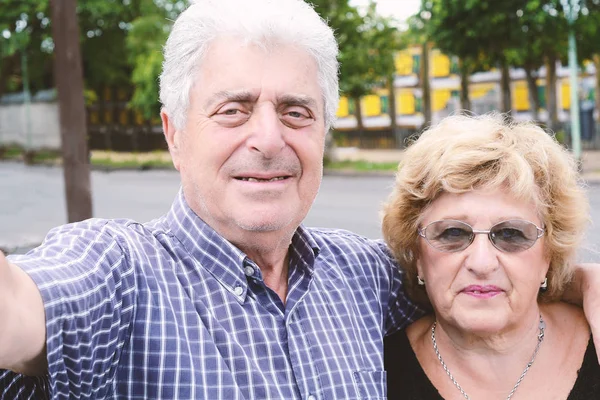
point(311, 397)
point(238, 290)
point(248, 270)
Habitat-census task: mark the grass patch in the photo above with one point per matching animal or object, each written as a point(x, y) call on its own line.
point(41, 156)
point(104, 159)
point(11, 152)
point(106, 162)
point(161, 160)
point(361, 165)
point(14, 152)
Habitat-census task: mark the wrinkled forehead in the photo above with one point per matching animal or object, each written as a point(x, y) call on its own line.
point(233, 64)
point(261, 46)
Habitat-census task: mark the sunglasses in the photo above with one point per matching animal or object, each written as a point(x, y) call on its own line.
point(511, 236)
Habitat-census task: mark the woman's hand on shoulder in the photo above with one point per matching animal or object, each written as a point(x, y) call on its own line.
point(585, 290)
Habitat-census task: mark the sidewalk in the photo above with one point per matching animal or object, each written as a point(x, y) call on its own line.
point(590, 160)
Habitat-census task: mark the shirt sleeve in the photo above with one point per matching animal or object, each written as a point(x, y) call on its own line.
point(88, 288)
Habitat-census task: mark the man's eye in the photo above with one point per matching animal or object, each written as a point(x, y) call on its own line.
point(232, 108)
point(296, 117)
point(296, 114)
point(231, 111)
point(231, 115)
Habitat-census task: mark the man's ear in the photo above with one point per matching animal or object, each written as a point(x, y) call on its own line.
point(172, 136)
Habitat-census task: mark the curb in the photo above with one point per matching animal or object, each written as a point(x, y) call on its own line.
point(354, 173)
point(141, 168)
point(590, 178)
point(19, 249)
point(93, 167)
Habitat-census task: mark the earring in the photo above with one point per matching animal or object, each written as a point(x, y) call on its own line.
point(544, 285)
point(420, 281)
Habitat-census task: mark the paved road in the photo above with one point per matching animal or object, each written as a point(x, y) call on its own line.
point(32, 202)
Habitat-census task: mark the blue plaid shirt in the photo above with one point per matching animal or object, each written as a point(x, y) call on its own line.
point(171, 310)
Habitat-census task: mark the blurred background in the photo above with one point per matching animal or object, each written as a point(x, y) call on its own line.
point(405, 64)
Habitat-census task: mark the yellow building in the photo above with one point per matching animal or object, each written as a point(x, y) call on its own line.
point(484, 92)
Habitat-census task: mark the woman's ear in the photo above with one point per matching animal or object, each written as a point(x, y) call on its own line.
point(419, 268)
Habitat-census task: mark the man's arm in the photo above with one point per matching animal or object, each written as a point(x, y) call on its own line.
point(23, 326)
point(585, 290)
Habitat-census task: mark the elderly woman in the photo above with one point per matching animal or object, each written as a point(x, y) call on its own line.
point(485, 219)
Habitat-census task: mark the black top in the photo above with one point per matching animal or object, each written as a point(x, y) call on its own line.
point(406, 380)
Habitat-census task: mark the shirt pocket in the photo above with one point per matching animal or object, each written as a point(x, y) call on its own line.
point(370, 385)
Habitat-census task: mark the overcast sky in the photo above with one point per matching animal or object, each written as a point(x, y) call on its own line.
point(399, 9)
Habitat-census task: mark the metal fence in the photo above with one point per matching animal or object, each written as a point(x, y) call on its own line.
point(136, 139)
point(112, 126)
point(383, 138)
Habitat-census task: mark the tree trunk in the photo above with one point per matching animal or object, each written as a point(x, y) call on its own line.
point(532, 91)
point(596, 59)
point(69, 83)
point(551, 101)
point(7, 67)
point(425, 86)
point(358, 114)
point(465, 99)
point(392, 112)
point(506, 100)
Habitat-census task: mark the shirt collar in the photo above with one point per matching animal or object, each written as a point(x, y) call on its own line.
point(207, 248)
point(304, 249)
point(220, 257)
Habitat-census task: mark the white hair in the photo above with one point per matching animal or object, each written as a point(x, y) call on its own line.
point(259, 22)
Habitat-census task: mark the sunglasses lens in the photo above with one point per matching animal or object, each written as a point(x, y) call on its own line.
point(509, 236)
point(449, 235)
point(514, 236)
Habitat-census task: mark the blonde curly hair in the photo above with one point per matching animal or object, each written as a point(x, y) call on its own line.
point(464, 153)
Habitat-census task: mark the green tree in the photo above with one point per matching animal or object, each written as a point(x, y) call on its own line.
point(104, 25)
point(542, 39)
point(146, 37)
point(381, 42)
point(25, 31)
point(478, 32)
point(356, 73)
point(418, 34)
point(588, 39)
point(367, 46)
point(429, 25)
point(121, 43)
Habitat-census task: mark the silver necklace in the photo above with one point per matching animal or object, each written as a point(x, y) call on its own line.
point(540, 337)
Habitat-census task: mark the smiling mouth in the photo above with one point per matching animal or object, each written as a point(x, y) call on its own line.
point(249, 179)
point(477, 290)
point(483, 291)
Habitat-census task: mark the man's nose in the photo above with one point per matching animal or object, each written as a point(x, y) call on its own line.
point(482, 256)
point(266, 132)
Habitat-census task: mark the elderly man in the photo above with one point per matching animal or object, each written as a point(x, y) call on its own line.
point(226, 296)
